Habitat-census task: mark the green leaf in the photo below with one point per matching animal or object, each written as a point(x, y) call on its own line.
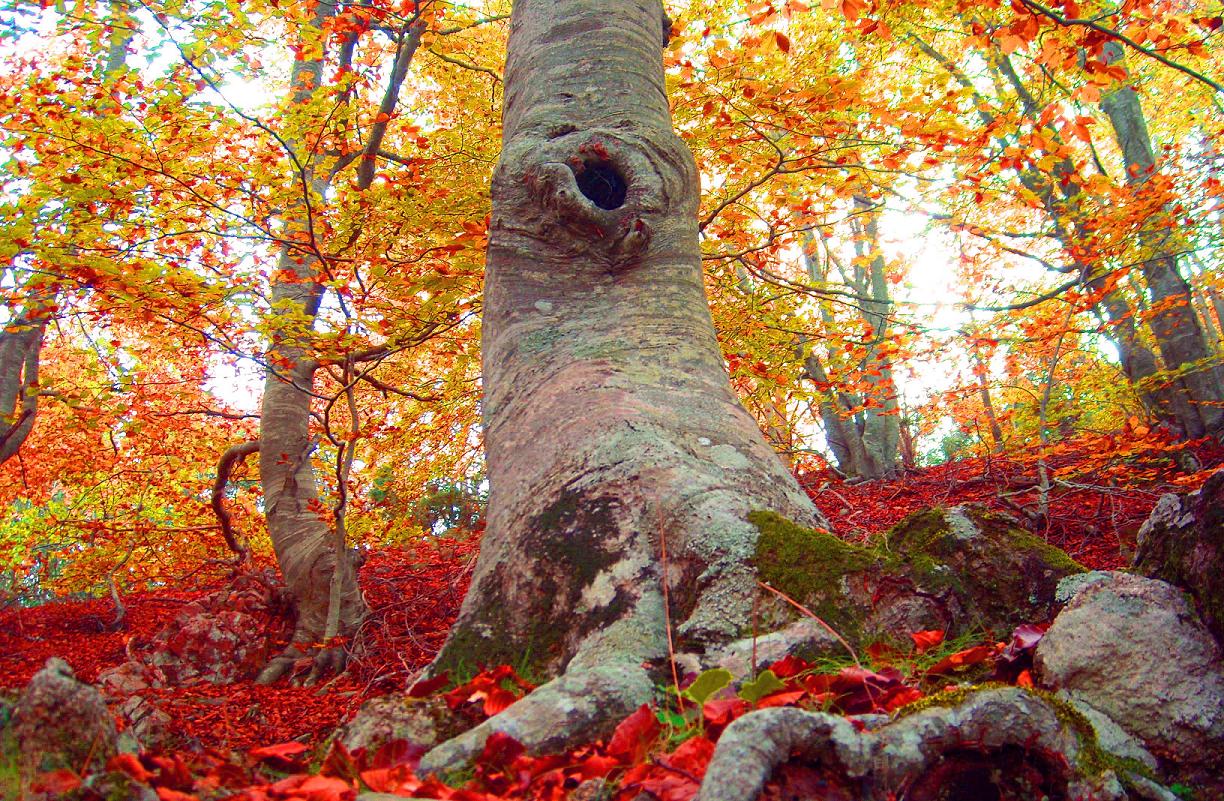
point(764, 684)
point(673, 719)
point(708, 683)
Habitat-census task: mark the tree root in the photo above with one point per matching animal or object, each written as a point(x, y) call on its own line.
point(574, 708)
point(1005, 742)
point(325, 662)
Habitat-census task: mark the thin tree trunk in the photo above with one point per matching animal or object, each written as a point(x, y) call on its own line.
point(300, 535)
point(612, 431)
point(881, 429)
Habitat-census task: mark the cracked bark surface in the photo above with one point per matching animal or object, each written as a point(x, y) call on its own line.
point(612, 431)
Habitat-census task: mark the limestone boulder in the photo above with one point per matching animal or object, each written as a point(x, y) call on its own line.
point(60, 722)
point(1134, 649)
point(1182, 542)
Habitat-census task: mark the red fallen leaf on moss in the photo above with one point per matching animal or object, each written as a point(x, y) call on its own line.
point(722, 711)
point(56, 782)
point(427, 687)
point(282, 751)
point(635, 736)
point(692, 756)
point(499, 751)
point(788, 666)
point(487, 687)
point(783, 698)
point(905, 695)
point(325, 788)
point(130, 764)
point(926, 640)
point(166, 794)
point(172, 771)
point(401, 778)
point(963, 659)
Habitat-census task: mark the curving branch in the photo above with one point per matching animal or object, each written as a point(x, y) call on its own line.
point(233, 456)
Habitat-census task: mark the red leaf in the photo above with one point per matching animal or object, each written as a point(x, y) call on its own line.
point(285, 751)
point(635, 736)
point(426, 687)
point(903, 696)
point(693, 756)
point(789, 665)
point(57, 782)
point(962, 659)
point(129, 764)
point(166, 794)
point(497, 699)
point(784, 698)
point(926, 640)
point(325, 788)
point(721, 712)
point(500, 750)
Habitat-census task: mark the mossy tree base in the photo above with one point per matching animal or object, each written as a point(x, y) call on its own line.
point(956, 570)
point(989, 743)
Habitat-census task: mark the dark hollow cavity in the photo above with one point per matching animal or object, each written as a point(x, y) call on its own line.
point(602, 185)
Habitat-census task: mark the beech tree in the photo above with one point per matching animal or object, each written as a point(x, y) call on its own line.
point(621, 465)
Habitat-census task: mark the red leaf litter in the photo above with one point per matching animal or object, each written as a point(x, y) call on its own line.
point(414, 596)
point(248, 742)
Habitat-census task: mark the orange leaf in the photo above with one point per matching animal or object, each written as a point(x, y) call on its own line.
point(926, 640)
point(286, 751)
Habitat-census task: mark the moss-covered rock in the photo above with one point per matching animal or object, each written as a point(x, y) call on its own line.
point(957, 570)
point(1182, 543)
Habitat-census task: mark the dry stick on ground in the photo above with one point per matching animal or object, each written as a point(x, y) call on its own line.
point(233, 456)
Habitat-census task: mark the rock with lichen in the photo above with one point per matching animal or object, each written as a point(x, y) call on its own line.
point(1182, 542)
point(62, 723)
point(1134, 649)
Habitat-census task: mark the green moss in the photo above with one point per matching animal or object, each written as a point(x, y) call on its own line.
point(809, 566)
point(1092, 759)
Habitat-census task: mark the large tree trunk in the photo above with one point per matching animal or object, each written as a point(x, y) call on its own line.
point(1175, 326)
point(621, 465)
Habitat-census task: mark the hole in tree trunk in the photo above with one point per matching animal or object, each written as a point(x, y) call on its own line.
point(1008, 774)
point(602, 184)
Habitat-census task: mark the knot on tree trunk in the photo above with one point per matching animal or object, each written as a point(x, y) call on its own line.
point(599, 193)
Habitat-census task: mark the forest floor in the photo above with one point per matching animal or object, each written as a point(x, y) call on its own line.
point(1096, 506)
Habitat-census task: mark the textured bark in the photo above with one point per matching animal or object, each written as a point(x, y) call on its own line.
point(1175, 326)
point(612, 432)
point(994, 743)
point(864, 437)
point(20, 349)
point(300, 536)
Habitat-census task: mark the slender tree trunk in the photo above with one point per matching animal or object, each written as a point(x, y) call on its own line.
point(20, 349)
point(296, 518)
point(612, 431)
point(881, 429)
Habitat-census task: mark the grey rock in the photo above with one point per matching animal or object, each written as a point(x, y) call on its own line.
point(1132, 648)
point(1072, 585)
point(1182, 542)
point(62, 723)
point(804, 637)
point(395, 717)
